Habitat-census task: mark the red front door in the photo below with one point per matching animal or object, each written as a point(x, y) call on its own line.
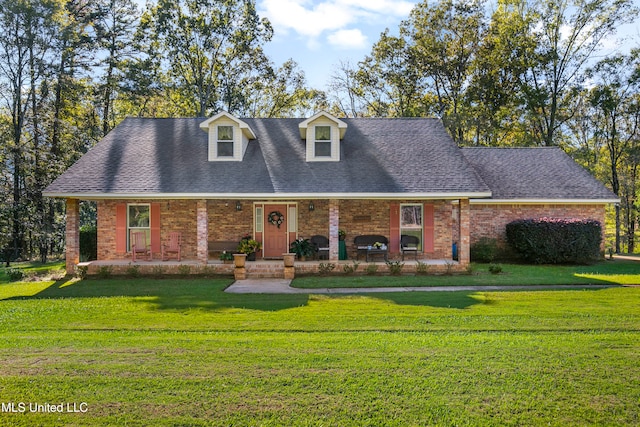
point(275, 237)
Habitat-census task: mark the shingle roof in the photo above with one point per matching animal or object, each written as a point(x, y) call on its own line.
point(546, 173)
point(169, 156)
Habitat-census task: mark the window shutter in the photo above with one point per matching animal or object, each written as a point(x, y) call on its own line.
point(121, 228)
point(155, 227)
point(394, 228)
point(428, 228)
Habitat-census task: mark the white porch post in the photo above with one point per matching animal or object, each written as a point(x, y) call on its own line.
point(202, 219)
point(464, 246)
point(334, 226)
point(72, 235)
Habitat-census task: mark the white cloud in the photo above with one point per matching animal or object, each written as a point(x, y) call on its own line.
point(312, 18)
point(348, 39)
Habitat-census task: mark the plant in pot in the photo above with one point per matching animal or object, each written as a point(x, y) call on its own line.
point(226, 257)
point(302, 248)
point(342, 234)
point(250, 247)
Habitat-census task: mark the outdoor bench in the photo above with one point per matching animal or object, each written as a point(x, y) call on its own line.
point(364, 244)
point(217, 246)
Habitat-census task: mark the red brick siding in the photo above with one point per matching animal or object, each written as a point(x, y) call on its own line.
point(491, 220)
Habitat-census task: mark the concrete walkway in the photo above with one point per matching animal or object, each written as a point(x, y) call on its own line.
point(282, 286)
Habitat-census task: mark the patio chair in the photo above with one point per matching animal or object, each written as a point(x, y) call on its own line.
point(173, 246)
point(409, 244)
point(320, 246)
point(139, 246)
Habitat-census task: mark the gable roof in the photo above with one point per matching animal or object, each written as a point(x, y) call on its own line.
point(167, 158)
point(540, 174)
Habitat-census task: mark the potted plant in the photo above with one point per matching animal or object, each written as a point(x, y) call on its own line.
point(226, 257)
point(342, 234)
point(250, 247)
point(302, 248)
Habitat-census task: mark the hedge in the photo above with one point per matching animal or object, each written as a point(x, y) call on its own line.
point(555, 241)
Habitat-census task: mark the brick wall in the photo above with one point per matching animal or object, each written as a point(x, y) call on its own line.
point(489, 220)
point(175, 215)
point(356, 217)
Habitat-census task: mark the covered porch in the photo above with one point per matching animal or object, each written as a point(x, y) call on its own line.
point(439, 223)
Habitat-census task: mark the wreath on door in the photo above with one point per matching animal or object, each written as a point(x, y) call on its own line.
point(276, 218)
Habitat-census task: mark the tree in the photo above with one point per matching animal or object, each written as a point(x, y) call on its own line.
point(118, 21)
point(283, 92)
point(443, 40)
point(567, 36)
point(616, 115)
point(209, 46)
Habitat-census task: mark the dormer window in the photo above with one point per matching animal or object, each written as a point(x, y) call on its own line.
point(323, 141)
point(322, 134)
point(228, 137)
point(225, 141)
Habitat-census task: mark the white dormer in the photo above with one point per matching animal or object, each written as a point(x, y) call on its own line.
point(322, 133)
point(228, 137)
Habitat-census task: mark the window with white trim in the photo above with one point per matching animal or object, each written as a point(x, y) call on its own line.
point(322, 141)
point(411, 221)
point(224, 141)
point(138, 219)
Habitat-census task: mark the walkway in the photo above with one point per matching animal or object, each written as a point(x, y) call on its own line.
point(282, 286)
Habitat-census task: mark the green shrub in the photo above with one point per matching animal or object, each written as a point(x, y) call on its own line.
point(133, 271)
point(422, 268)
point(555, 241)
point(105, 271)
point(350, 269)
point(326, 268)
point(371, 269)
point(395, 267)
point(484, 250)
point(14, 274)
point(88, 243)
point(495, 269)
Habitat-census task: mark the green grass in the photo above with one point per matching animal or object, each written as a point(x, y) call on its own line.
point(604, 273)
point(182, 352)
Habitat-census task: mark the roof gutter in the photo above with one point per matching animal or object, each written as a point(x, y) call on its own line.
point(543, 201)
point(267, 196)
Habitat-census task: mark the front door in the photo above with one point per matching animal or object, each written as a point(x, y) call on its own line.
point(275, 239)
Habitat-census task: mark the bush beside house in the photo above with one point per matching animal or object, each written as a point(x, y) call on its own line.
point(555, 241)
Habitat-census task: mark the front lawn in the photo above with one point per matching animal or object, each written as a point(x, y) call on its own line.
point(183, 352)
point(618, 272)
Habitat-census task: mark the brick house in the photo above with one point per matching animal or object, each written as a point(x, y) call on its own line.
point(225, 177)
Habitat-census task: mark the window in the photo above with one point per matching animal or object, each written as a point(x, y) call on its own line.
point(411, 221)
point(225, 141)
point(138, 219)
point(323, 141)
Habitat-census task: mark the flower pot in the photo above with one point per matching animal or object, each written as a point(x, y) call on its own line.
point(239, 260)
point(289, 259)
point(302, 258)
point(251, 256)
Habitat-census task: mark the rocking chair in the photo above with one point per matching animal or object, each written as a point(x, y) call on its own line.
point(173, 246)
point(139, 246)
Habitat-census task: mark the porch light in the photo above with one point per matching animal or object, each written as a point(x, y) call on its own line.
point(238, 206)
point(311, 206)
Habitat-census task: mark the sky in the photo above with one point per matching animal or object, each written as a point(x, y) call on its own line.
point(318, 34)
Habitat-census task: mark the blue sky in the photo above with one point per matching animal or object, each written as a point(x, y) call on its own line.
point(319, 34)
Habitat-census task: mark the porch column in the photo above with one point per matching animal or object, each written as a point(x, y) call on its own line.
point(334, 226)
point(202, 220)
point(464, 250)
point(72, 235)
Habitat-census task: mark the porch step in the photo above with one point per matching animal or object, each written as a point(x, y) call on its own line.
point(261, 270)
